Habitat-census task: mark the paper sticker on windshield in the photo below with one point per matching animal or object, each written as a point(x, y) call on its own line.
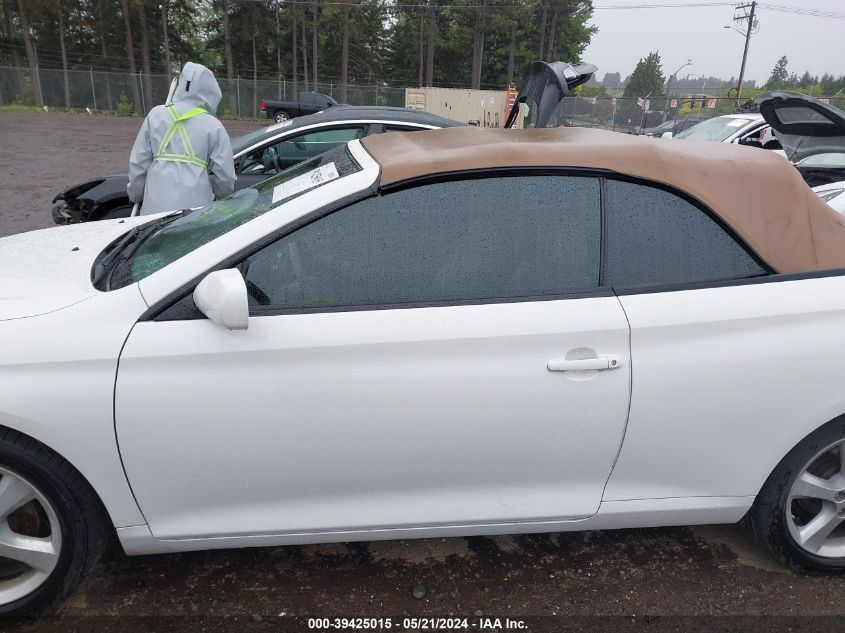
point(304, 182)
point(737, 122)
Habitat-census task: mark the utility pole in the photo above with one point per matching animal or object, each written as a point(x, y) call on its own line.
point(745, 12)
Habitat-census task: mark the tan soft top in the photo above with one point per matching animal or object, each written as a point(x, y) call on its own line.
point(757, 192)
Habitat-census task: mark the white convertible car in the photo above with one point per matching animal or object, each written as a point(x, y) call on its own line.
point(432, 334)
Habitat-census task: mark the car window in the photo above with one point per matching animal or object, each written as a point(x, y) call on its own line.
point(716, 129)
point(655, 237)
point(520, 236)
point(279, 156)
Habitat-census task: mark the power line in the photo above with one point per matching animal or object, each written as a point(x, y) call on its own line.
point(818, 13)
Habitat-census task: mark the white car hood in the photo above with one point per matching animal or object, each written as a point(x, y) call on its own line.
point(47, 270)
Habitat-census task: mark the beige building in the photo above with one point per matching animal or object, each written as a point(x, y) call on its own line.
point(485, 108)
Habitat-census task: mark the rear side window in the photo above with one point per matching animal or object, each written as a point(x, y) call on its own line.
point(655, 238)
point(451, 241)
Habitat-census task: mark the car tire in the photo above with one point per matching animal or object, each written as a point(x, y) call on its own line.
point(60, 502)
point(281, 116)
point(121, 211)
point(781, 518)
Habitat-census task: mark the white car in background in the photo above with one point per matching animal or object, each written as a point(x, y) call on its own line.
point(813, 136)
point(740, 129)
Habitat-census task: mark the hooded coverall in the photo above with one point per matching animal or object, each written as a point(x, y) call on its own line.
point(182, 157)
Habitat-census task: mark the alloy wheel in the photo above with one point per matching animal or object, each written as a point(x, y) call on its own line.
point(30, 537)
point(815, 508)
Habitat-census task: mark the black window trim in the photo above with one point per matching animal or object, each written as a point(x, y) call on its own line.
point(159, 311)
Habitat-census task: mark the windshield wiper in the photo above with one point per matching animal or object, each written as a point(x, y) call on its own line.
point(126, 246)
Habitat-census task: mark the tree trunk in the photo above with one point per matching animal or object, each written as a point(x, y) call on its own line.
point(304, 40)
point(65, 77)
point(552, 37)
point(295, 57)
point(166, 40)
point(130, 55)
point(278, 54)
point(478, 44)
point(543, 18)
point(254, 67)
point(227, 50)
point(105, 57)
point(314, 42)
point(31, 57)
point(511, 52)
point(421, 72)
point(149, 97)
point(344, 58)
point(432, 29)
point(10, 34)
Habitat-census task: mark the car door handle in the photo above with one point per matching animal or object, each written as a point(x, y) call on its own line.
point(584, 364)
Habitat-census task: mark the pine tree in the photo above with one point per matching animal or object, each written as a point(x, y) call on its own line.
point(647, 79)
point(779, 76)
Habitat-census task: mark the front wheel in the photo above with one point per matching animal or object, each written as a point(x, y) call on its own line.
point(799, 514)
point(52, 530)
point(281, 116)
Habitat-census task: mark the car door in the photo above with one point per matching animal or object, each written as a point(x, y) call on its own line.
point(440, 355)
point(275, 156)
point(732, 364)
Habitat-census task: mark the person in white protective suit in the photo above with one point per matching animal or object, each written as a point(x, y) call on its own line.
point(182, 157)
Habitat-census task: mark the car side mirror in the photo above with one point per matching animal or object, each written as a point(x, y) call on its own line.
point(222, 297)
point(666, 135)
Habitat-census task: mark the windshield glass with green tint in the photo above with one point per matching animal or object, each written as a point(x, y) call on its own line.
point(716, 129)
point(200, 226)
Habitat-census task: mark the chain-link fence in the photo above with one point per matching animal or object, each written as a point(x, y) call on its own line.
point(632, 114)
point(128, 94)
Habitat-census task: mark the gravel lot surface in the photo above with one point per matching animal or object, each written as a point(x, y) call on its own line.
point(702, 571)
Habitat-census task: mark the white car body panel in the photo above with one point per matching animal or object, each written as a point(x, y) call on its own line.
point(715, 402)
point(49, 269)
point(70, 356)
point(374, 419)
point(837, 203)
point(639, 513)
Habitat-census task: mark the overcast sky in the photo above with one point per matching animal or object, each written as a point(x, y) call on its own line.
point(811, 43)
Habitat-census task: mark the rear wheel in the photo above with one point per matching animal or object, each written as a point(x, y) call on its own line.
point(281, 116)
point(800, 513)
point(52, 528)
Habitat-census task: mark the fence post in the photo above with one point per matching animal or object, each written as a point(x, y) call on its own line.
point(239, 95)
point(143, 99)
point(40, 89)
point(93, 92)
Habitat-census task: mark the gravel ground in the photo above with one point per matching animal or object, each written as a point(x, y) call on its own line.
point(709, 571)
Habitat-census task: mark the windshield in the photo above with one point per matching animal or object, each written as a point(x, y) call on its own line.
point(829, 160)
point(715, 129)
point(200, 226)
point(241, 143)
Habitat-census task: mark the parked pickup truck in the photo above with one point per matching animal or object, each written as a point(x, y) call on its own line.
point(309, 103)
